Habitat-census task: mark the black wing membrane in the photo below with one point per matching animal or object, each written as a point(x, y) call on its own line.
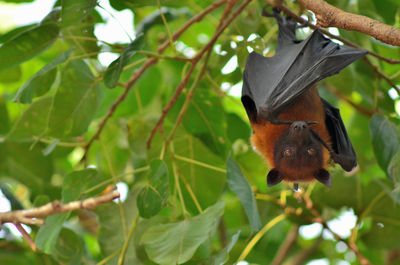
point(271, 84)
point(344, 153)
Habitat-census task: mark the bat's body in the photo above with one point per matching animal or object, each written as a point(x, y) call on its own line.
point(297, 131)
point(266, 135)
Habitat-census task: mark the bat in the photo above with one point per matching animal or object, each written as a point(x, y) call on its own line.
point(297, 132)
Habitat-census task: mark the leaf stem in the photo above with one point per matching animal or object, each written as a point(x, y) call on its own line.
point(259, 235)
point(195, 162)
point(127, 239)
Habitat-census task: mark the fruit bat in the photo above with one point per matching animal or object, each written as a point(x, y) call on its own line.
point(298, 133)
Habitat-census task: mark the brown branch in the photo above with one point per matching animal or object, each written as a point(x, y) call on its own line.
point(195, 60)
point(31, 216)
point(302, 196)
point(382, 75)
point(304, 255)
point(309, 204)
point(330, 16)
point(286, 246)
point(301, 20)
point(363, 110)
point(28, 239)
point(138, 73)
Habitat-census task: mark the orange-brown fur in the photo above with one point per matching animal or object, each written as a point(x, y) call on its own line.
point(308, 107)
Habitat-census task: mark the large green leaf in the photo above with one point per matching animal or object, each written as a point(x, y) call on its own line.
point(205, 119)
point(27, 45)
point(114, 70)
point(28, 166)
point(73, 12)
point(41, 82)
point(176, 243)
point(239, 185)
point(69, 248)
point(68, 113)
point(112, 233)
point(385, 140)
point(153, 197)
point(81, 37)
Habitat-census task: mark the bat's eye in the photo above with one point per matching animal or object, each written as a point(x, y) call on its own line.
point(311, 151)
point(288, 153)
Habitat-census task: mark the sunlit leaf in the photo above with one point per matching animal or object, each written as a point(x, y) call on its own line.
point(164, 246)
point(27, 45)
point(73, 12)
point(41, 82)
point(114, 70)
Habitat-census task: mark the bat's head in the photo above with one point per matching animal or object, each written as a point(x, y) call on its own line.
point(298, 157)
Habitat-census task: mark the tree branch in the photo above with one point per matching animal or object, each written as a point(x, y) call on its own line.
point(31, 216)
point(301, 20)
point(363, 110)
point(195, 60)
point(330, 16)
point(138, 73)
point(286, 246)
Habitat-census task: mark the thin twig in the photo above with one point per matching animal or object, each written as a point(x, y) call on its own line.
point(138, 73)
point(286, 246)
point(195, 60)
point(352, 246)
point(31, 216)
point(301, 20)
point(363, 110)
point(28, 239)
point(382, 75)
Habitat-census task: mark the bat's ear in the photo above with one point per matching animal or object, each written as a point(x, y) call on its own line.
point(274, 177)
point(324, 177)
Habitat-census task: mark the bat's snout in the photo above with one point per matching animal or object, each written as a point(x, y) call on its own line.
point(298, 126)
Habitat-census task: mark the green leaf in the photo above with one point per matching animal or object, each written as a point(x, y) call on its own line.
point(47, 236)
point(11, 75)
point(239, 185)
point(155, 18)
point(27, 45)
point(28, 166)
point(205, 119)
point(164, 246)
point(76, 182)
point(385, 140)
point(81, 37)
point(153, 197)
point(114, 70)
point(68, 113)
point(112, 233)
point(69, 248)
point(41, 82)
point(223, 256)
point(73, 12)
point(149, 202)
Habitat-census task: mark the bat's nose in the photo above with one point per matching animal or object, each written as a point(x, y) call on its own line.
point(298, 125)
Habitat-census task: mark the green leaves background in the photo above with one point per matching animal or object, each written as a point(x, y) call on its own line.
point(195, 198)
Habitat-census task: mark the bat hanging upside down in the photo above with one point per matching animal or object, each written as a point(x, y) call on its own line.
point(294, 129)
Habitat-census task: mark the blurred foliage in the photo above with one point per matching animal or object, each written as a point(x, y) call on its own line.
point(196, 197)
